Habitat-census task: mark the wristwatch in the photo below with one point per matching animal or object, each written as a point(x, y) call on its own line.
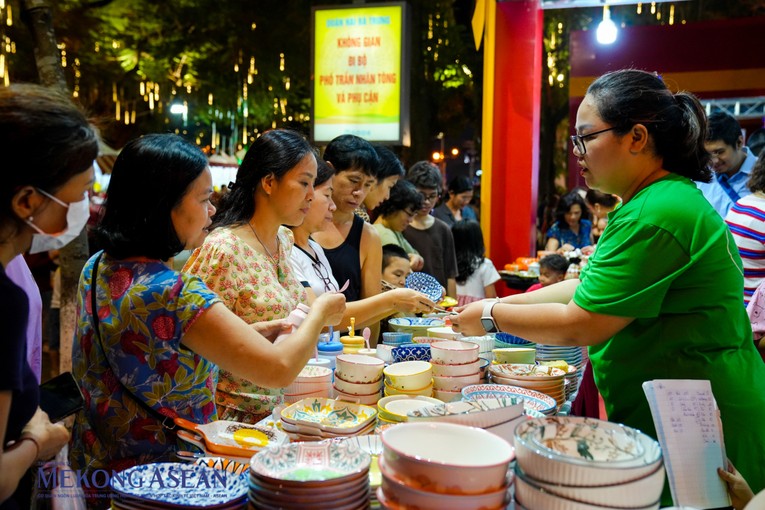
point(487, 320)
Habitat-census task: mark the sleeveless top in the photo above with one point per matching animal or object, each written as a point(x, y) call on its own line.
point(346, 261)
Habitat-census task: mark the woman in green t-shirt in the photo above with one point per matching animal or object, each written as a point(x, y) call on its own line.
point(661, 296)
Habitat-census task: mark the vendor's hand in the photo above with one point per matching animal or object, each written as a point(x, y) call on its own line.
point(468, 320)
point(739, 491)
point(330, 306)
point(416, 262)
point(272, 329)
point(411, 301)
point(50, 437)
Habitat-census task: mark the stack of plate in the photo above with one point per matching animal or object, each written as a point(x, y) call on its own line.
point(314, 419)
point(177, 485)
point(571, 355)
point(584, 463)
point(306, 476)
point(547, 380)
point(533, 401)
point(394, 409)
point(312, 381)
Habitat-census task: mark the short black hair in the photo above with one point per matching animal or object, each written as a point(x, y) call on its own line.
point(150, 177)
point(347, 152)
point(723, 126)
point(594, 196)
point(392, 251)
point(275, 152)
point(554, 262)
point(403, 195)
point(425, 175)
point(390, 165)
point(323, 172)
point(460, 184)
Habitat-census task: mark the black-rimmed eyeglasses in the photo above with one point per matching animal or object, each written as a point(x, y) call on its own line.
point(323, 274)
point(578, 140)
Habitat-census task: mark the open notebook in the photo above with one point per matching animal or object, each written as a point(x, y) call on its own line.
point(690, 433)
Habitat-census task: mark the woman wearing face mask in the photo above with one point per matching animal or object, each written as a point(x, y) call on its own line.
point(314, 271)
point(150, 339)
point(44, 195)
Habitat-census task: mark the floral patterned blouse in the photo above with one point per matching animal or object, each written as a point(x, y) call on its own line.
point(144, 308)
point(249, 285)
point(567, 236)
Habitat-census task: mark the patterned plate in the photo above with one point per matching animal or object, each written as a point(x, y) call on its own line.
point(532, 400)
point(173, 483)
point(423, 282)
point(329, 415)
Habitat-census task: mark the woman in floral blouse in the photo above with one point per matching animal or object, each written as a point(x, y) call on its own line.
point(246, 259)
point(149, 340)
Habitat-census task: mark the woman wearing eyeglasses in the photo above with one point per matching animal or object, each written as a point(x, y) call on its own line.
point(313, 270)
point(396, 214)
point(660, 298)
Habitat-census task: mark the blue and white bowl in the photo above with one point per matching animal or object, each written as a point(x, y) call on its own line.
point(411, 352)
point(503, 340)
point(416, 326)
point(426, 284)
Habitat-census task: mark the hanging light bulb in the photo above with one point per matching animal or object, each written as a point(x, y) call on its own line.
point(607, 31)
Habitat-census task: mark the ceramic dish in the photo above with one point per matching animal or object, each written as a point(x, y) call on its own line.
point(415, 326)
point(352, 388)
point(306, 463)
point(358, 368)
point(408, 375)
point(446, 395)
point(223, 464)
point(444, 333)
point(367, 400)
point(233, 438)
point(531, 399)
point(315, 434)
point(485, 343)
point(508, 340)
point(329, 415)
point(411, 352)
point(425, 339)
point(455, 383)
point(426, 284)
point(401, 408)
point(525, 370)
point(427, 391)
point(515, 355)
point(479, 413)
point(441, 370)
point(150, 483)
point(452, 352)
point(448, 302)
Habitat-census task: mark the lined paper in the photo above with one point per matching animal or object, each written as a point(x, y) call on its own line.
point(689, 430)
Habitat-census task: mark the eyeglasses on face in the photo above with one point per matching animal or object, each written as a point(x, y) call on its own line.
point(578, 140)
point(430, 197)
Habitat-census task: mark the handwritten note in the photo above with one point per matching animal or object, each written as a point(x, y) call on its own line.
point(690, 433)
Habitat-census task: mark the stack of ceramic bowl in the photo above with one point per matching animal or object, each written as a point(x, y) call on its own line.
point(485, 345)
point(455, 365)
point(568, 462)
point(547, 380)
point(416, 326)
point(156, 486)
point(396, 338)
point(533, 401)
point(313, 381)
point(394, 409)
point(358, 378)
point(443, 466)
point(411, 352)
point(305, 476)
point(314, 419)
point(409, 378)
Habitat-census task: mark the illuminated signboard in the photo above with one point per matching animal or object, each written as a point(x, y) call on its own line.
point(360, 73)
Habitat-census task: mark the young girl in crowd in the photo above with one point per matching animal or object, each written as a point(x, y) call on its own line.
point(661, 296)
point(395, 215)
point(476, 274)
point(456, 207)
point(246, 258)
point(149, 339)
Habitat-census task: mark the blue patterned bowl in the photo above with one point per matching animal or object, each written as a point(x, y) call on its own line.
point(417, 326)
point(411, 352)
point(503, 340)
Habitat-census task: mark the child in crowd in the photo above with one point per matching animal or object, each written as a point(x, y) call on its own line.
point(476, 275)
point(552, 269)
point(599, 205)
point(395, 265)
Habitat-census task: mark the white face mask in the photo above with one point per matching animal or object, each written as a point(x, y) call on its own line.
point(77, 216)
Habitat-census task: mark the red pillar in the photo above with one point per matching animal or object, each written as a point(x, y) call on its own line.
point(511, 114)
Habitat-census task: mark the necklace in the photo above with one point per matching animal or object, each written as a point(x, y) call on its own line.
point(275, 260)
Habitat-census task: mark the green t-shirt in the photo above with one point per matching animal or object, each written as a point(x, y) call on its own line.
point(668, 259)
point(388, 236)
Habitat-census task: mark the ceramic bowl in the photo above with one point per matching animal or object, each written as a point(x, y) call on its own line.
point(441, 370)
point(416, 326)
point(475, 462)
point(451, 352)
point(455, 383)
point(446, 395)
point(368, 400)
point(291, 399)
point(527, 371)
point(540, 464)
point(533, 400)
point(384, 352)
point(396, 338)
point(531, 496)
point(299, 387)
point(409, 375)
point(399, 492)
point(426, 391)
point(313, 373)
point(485, 343)
point(508, 340)
point(352, 388)
point(411, 352)
point(444, 332)
point(644, 491)
point(358, 368)
point(425, 339)
point(515, 355)
point(478, 413)
point(310, 463)
point(399, 409)
point(416, 400)
point(483, 366)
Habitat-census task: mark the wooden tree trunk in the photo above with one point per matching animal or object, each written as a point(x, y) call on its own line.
point(39, 19)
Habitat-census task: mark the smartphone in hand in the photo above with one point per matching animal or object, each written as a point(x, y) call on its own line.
point(60, 397)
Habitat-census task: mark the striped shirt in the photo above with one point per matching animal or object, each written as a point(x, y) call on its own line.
point(746, 220)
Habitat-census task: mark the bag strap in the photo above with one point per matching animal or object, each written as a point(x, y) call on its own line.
point(166, 421)
point(725, 185)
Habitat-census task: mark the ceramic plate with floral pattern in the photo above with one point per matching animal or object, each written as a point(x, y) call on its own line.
point(426, 284)
point(329, 415)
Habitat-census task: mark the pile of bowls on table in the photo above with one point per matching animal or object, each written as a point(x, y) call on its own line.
point(314, 419)
point(409, 378)
point(502, 340)
point(575, 463)
point(358, 378)
point(573, 356)
point(455, 365)
point(534, 403)
point(312, 381)
point(443, 466)
point(547, 380)
point(415, 326)
point(411, 352)
point(394, 409)
point(328, 474)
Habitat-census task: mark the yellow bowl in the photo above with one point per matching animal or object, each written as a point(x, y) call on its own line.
point(515, 355)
